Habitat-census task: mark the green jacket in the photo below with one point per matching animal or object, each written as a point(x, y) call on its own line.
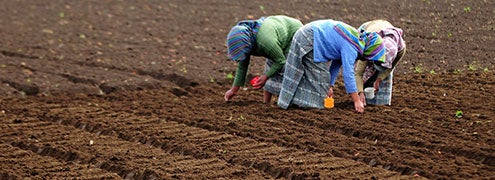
point(273, 42)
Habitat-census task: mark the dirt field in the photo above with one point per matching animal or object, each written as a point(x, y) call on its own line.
point(134, 90)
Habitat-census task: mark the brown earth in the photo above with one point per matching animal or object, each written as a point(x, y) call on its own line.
point(134, 90)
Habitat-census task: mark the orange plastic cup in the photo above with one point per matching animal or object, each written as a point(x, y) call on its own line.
point(329, 102)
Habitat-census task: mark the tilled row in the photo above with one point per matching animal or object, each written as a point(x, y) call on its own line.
point(25, 163)
point(412, 140)
point(365, 140)
point(101, 155)
point(173, 137)
point(75, 81)
point(371, 140)
point(302, 134)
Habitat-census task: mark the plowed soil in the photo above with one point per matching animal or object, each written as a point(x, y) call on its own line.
point(134, 90)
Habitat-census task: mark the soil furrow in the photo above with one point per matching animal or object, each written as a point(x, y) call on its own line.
point(265, 159)
point(98, 151)
point(309, 141)
point(41, 166)
point(368, 136)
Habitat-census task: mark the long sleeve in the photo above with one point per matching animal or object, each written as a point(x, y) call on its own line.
point(240, 74)
point(341, 46)
point(358, 74)
point(334, 71)
point(272, 50)
point(274, 39)
point(384, 74)
point(349, 57)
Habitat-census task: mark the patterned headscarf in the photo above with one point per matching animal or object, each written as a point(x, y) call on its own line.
point(241, 39)
point(392, 40)
point(368, 44)
point(373, 48)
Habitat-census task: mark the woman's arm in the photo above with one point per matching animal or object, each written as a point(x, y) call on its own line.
point(358, 74)
point(241, 72)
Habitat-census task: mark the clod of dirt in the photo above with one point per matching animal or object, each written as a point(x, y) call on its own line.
point(179, 92)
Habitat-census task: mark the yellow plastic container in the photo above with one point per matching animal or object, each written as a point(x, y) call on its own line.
point(329, 102)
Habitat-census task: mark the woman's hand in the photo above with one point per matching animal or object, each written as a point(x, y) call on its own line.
point(330, 92)
point(362, 98)
point(376, 84)
point(358, 105)
point(231, 93)
point(261, 82)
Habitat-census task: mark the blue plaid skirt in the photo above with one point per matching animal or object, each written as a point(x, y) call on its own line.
point(384, 94)
point(305, 83)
